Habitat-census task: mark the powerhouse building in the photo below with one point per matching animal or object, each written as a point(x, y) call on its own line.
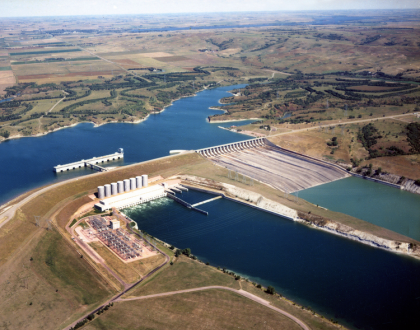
point(131, 198)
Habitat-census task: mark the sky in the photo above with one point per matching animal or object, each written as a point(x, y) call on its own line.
point(21, 8)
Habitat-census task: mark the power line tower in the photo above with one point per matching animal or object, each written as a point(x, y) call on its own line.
point(243, 179)
point(37, 220)
point(49, 224)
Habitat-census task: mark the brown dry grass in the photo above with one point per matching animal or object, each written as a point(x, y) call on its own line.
point(407, 166)
point(56, 287)
point(312, 320)
point(171, 58)
point(64, 216)
point(13, 234)
point(314, 143)
point(126, 62)
point(213, 309)
point(7, 77)
point(193, 274)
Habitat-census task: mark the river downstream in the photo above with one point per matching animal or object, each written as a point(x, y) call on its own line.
point(360, 286)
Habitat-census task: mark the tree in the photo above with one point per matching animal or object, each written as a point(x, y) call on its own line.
point(187, 252)
point(5, 134)
point(270, 290)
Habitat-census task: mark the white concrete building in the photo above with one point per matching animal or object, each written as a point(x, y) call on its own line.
point(115, 224)
point(131, 198)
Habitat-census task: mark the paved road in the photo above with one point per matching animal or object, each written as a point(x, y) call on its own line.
point(9, 212)
point(241, 292)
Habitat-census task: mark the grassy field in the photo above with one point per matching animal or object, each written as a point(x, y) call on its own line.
point(186, 273)
point(183, 274)
point(215, 309)
point(46, 284)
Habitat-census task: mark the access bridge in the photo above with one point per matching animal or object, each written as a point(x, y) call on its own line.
point(93, 163)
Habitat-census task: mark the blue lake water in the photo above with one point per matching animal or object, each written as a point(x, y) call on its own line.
point(28, 162)
point(358, 285)
point(381, 205)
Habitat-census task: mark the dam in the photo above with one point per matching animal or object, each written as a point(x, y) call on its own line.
point(92, 163)
point(277, 167)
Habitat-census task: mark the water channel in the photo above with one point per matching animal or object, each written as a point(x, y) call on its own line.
point(358, 285)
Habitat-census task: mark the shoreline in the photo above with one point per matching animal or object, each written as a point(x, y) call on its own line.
point(101, 124)
point(110, 122)
point(228, 121)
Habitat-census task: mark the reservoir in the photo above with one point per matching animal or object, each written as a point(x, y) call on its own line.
point(360, 286)
point(388, 207)
point(28, 163)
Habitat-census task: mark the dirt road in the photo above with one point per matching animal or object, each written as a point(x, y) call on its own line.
point(241, 292)
point(342, 123)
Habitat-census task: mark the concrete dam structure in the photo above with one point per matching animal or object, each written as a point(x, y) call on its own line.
point(231, 147)
point(277, 167)
point(93, 163)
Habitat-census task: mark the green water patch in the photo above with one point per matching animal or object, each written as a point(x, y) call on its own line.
point(376, 203)
point(5, 68)
point(46, 52)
